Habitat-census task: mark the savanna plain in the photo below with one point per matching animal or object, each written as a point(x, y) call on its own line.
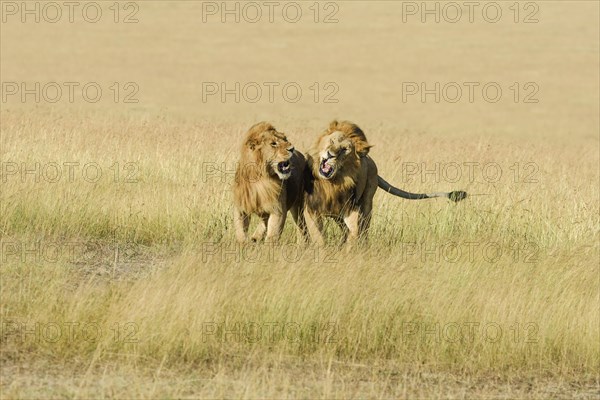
point(120, 275)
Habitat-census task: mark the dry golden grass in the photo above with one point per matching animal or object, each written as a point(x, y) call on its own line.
point(518, 301)
point(129, 285)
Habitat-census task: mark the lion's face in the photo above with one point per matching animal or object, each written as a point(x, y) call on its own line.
point(275, 151)
point(335, 150)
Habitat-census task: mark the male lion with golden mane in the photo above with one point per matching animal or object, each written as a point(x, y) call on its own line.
point(268, 183)
point(341, 180)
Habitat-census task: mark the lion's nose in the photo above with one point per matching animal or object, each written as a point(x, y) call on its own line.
point(291, 149)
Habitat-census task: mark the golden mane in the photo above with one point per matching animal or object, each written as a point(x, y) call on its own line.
point(255, 189)
point(352, 132)
point(337, 194)
point(269, 182)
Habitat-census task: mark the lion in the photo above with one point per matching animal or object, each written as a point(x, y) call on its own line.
point(268, 183)
point(341, 180)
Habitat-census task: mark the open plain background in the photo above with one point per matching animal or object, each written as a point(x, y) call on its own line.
point(119, 275)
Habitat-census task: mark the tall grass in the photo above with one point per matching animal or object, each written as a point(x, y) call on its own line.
point(499, 285)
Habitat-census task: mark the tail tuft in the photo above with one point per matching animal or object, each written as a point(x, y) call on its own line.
point(457, 195)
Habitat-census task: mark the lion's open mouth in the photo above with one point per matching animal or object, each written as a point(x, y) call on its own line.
point(284, 167)
point(325, 169)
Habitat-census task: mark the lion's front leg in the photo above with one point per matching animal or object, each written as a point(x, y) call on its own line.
point(275, 227)
point(261, 228)
point(314, 224)
point(241, 221)
point(344, 229)
point(352, 221)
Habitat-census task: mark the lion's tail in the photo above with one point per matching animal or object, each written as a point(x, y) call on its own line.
point(455, 196)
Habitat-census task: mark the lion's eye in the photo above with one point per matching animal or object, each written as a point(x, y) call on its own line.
point(273, 144)
point(344, 150)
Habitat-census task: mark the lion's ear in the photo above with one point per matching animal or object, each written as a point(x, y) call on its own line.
point(252, 143)
point(256, 133)
point(362, 148)
point(333, 126)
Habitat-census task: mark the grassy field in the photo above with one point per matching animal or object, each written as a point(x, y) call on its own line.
point(120, 277)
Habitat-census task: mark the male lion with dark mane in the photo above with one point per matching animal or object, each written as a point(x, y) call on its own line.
point(268, 183)
point(341, 180)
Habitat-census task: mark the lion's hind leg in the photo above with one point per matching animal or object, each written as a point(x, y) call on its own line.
point(298, 217)
point(365, 221)
point(366, 209)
